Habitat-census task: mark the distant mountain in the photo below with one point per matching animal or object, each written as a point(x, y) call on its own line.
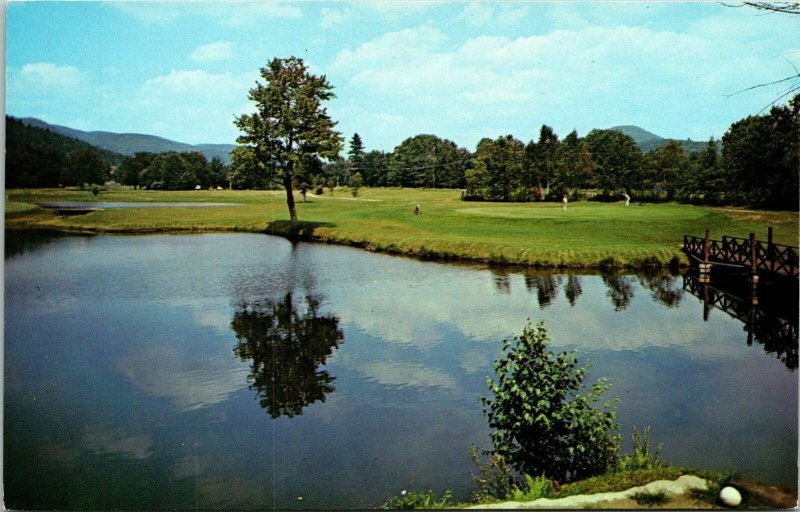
point(130, 143)
point(648, 141)
point(38, 157)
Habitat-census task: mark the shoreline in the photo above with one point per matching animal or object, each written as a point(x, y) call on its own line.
point(651, 262)
point(594, 236)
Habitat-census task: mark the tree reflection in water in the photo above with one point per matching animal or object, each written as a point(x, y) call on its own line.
point(546, 286)
point(663, 286)
point(620, 290)
point(286, 346)
point(573, 289)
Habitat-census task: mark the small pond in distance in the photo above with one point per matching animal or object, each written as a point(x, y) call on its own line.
point(139, 370)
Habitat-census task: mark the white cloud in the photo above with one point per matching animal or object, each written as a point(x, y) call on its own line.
point(411, 375)
point(331, 17)
point(220, 50)
point(45, 76)
point(505, 82)
point(190, 381)
point(195, 106)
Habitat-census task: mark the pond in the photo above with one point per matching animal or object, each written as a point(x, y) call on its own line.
point(242, 371)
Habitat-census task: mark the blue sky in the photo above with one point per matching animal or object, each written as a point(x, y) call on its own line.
point(460, 70)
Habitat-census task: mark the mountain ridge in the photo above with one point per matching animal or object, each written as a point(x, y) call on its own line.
point(129, 143)
point(648, 141)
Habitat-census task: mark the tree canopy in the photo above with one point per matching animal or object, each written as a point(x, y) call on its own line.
point(290, 128)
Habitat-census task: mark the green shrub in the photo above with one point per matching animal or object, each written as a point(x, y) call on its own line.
point(542, 423)
point(642, 457)
point(356, 181)
point(534, 488)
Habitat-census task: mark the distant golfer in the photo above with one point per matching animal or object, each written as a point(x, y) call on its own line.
point(627, 198)
point(564, 201)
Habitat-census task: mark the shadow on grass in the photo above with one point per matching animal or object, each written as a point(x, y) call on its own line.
point(300, 231)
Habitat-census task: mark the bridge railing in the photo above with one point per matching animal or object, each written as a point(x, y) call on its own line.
point(750, 253)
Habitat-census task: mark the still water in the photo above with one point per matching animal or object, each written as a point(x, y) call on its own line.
point(240, 371)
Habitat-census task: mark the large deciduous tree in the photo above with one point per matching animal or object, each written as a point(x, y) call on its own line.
point(761, 156)
point(664, 166)
point(290, 125)
point(427, 161)
point(618, 160)
point(497, 170)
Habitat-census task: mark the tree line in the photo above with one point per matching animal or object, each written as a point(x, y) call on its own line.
point(755, 163)
point(296, 146)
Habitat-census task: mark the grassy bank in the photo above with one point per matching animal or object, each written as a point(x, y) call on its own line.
point(755, 495)
point(382, 220)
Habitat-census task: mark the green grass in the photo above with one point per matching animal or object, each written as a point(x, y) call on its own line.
point(650, 499)
point(382, 220)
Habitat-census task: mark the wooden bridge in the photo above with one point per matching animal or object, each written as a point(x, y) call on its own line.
point(745, 253)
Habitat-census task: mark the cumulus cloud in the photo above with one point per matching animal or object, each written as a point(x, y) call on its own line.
point(221, 50)
point(502, 80)
point(45, 76)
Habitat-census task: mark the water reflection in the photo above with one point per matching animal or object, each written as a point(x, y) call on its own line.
point(286, 344)
point(620, 290)
point(502, 281)
point(769, 315)
point(21, 242)
point(664, 287)
point(573, 289)
point(546, 286)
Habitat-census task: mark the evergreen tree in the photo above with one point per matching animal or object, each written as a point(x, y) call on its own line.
point(356, 154)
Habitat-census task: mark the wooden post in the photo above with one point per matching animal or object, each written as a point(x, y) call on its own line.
point(706, 244)
point(753, 264)
point(770, 251)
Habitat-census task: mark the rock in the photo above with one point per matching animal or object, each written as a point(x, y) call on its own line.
point(730, 497)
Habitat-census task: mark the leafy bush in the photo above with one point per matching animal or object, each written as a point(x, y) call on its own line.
point(534, 488)
point(542, 423)
point(641, 458)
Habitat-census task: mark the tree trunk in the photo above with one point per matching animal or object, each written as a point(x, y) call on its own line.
point(287, 183)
